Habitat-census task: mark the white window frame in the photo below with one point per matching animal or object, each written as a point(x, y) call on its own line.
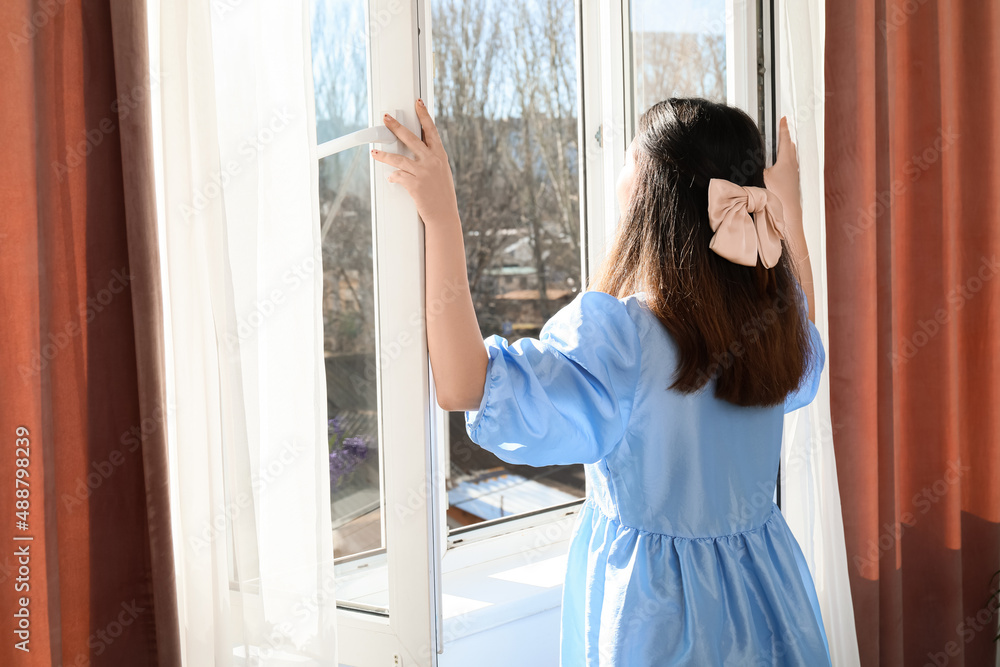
point(405, 634)
point(414, 500)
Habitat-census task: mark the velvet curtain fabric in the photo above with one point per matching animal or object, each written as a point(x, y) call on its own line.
point(78, 368)
point(913, 242)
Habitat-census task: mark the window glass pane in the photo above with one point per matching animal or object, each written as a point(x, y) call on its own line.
point(340, 67)
point(340, 76)
point(506, 103)
point(678, 50)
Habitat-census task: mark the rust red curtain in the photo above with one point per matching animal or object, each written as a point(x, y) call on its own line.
point(93, 584)
point(913, 241)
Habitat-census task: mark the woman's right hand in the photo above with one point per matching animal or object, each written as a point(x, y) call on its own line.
point(427, 175)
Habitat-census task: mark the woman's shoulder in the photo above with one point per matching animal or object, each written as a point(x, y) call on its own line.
point(595, 314)
point(636, 306)
point(637, 301)
point(631, 304)
point(592, 315)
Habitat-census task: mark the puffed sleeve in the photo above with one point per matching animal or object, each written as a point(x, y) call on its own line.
point(566, 396)
point(806, 391)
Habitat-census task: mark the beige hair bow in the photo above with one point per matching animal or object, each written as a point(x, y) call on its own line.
point(738, 237)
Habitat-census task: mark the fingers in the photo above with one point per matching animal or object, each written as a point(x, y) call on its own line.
point(431, 135)
point(786, 149)
point(403, 178)
point(410, 140)
point(393, 160)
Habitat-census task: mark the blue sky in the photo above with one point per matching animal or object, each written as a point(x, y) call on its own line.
point(680, 15)
point(345, 22)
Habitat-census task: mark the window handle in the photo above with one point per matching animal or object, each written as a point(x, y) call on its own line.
point(377, 134)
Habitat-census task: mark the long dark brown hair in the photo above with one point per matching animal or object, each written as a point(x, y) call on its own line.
point(744, 325)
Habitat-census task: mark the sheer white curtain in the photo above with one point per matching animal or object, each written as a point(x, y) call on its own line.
point(237, 183)
point(810, 497)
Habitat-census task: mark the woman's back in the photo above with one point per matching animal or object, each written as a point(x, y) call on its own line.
point(679, 556)
point(690, 465)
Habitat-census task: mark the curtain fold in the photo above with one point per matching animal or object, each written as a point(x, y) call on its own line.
point(810, 496)
point(73, 358)
point(913, 243)
point(135, 85)
point(238, 183)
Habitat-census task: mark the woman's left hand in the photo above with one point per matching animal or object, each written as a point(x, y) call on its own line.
point(427, 176)
point(783, 177)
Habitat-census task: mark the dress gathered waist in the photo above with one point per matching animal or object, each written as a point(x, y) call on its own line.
point(615, 520)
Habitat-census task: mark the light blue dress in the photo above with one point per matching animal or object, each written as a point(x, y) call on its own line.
point(679, 555)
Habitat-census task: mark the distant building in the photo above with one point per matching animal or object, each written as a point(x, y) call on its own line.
point(524, 307)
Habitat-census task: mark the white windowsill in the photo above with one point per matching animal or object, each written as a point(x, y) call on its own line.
point(489, 579)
